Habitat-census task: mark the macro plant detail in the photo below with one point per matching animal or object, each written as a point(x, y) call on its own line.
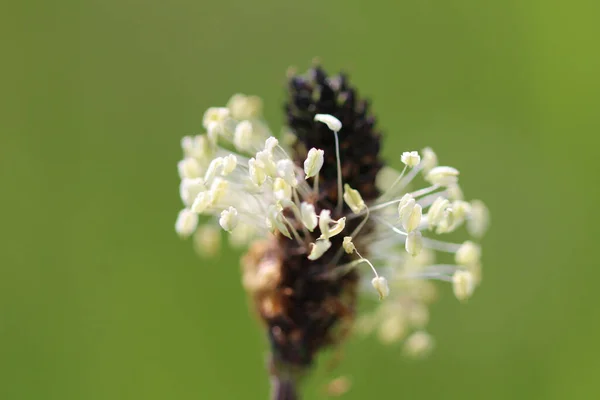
point(325, 222)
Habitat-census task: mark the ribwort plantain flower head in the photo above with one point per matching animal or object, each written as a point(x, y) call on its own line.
point(326, 223)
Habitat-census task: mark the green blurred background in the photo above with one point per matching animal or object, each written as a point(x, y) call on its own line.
point(99, 299)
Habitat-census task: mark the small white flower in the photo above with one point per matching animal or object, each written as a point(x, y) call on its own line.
point(319, 248)
point(186, 223)
point(381, 285)
point(410, 159)
point(309, 216)
point(442, 176)
point(354, 200)
point(463, 285)
point(314, 162)
point(229, 219)
point(332, 122)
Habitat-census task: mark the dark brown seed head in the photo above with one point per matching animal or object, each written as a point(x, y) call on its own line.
point(316, 93)
point(309, 305)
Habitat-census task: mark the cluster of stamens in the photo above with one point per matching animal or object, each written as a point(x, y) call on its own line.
point(242, 176)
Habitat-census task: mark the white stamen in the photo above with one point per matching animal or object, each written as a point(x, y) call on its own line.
point(196, 147)
point(282, 190)
point(354, 200)
point(332, 122)
point(186, 223)
point(271, 143)
point(406, 205)
point(203, 201)
point(309, 217)
point(463, 285)
point(455, 192)
point(468, 253)
point(274, 221)
point(442, 176)
point(348, 245)
point(229, 219)
point(189, 168)
point(412, 218)
point(436, 211)
point(326, 230)
point(264, 159)
point(257, 173)
point(319, 248)
point(215, 115)
point(218, 189)
point(242, 136)
point(479, 219)
point(314, 162)
point(337, 227)
point(229, 164)
point(335, 125)
point(429, 160)
point(245, 107)
point(414, 243)
point(419, 344)
point(189, 189)
point(287, 171)
point(410, 159)
point(381, 285)
point(241, 235)
point(213, 169)
point(207, 240)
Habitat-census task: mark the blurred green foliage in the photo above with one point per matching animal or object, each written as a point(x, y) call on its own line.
point(99, 299)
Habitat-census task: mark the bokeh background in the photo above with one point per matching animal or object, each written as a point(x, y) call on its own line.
point(99, 299)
